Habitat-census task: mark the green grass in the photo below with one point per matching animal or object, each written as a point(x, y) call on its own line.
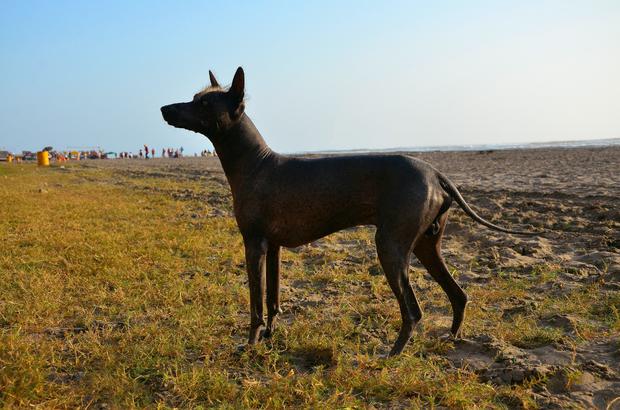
point(125, 290)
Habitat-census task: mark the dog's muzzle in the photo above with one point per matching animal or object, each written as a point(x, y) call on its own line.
point(170, 114)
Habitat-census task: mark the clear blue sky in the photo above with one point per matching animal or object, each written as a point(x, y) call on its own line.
point(319, 75)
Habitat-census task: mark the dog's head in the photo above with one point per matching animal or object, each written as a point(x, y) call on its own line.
point(212, 111)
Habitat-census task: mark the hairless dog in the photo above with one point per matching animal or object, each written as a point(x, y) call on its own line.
point(288, 201)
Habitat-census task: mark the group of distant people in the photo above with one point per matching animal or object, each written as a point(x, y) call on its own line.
point(129, 155)
point(143, 153)
point(146, 153)
point(170, 153)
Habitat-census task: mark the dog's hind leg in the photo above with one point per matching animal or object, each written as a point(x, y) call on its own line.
point(255, 256)
point(394, 257)
point(273, 288)
point(428, 251)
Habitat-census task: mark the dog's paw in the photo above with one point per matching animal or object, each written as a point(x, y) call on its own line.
point(266, 334)
point(240, 349)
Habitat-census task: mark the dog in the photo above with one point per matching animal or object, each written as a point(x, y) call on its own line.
point(290, 201)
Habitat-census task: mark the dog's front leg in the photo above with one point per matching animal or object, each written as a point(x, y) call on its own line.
point(273, 288)
point(255, 255)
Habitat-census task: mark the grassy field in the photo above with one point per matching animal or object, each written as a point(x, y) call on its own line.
point(128, 289)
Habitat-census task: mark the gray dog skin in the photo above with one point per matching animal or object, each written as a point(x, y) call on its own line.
point(288, 201)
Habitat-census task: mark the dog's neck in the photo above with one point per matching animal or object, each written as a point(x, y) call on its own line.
point(241, 149)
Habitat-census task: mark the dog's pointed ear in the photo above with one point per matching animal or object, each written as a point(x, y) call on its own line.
point(213, 80)
point(238, 85)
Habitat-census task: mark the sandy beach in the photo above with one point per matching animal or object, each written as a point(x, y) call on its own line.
point(542, 327)
point(571, 194)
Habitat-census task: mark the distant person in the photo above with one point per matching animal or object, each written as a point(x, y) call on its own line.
point(141, 155)
point(153, 152)
point(163, 152)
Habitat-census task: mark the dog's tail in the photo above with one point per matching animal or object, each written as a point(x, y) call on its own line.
point(454, 193)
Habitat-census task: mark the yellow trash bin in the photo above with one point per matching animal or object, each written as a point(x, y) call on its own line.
point(43, 158)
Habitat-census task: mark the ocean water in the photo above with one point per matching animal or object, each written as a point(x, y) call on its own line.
point(607, 142)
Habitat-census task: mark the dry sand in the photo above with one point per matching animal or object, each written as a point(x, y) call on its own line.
point(573, 194)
